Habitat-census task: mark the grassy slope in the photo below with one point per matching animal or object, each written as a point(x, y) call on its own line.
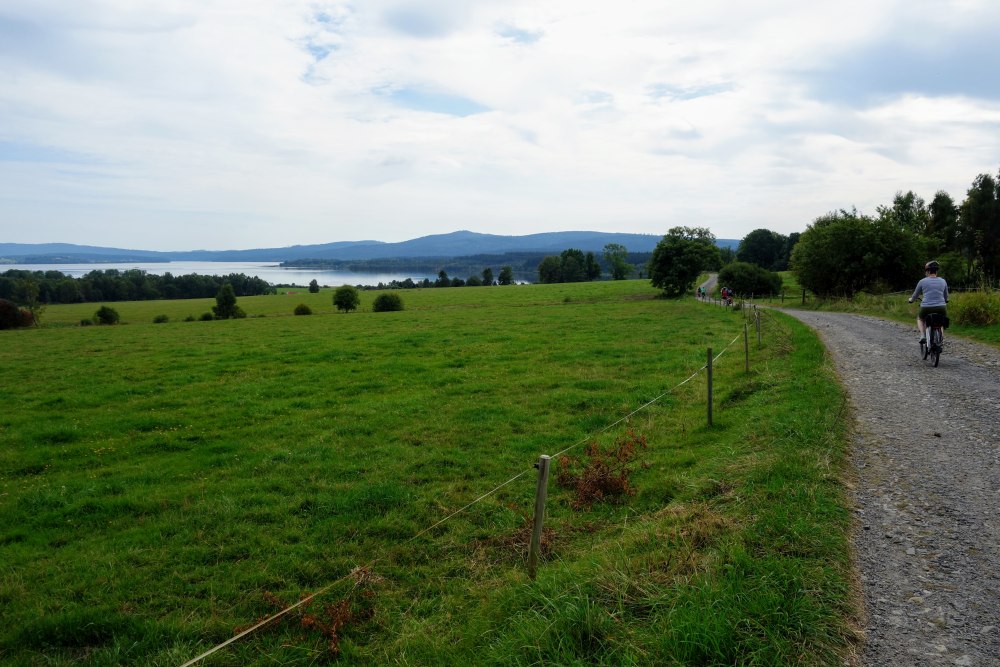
point(157, 480)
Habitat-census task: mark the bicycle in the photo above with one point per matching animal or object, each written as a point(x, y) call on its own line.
point(933, 342)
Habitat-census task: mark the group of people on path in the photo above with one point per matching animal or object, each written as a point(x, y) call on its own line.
point(725, 292)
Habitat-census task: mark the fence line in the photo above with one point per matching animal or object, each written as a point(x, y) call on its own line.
point(489, 493)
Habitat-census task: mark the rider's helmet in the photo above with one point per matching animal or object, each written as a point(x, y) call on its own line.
point(932, 266)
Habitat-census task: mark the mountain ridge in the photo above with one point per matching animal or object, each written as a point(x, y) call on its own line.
point(453, 244)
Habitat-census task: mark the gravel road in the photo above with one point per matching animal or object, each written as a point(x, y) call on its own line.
point(927, 458)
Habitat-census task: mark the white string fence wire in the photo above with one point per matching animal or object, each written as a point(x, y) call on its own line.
point(461, 510)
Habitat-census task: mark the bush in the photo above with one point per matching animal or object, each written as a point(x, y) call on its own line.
point(86, 323)
point(748, 279)
point(976, 309)
point(303, 309)
point(387, 302)
point(206, 317)
point(12, 317)
point(161, 319)
point(190, 318)
point(106, 315)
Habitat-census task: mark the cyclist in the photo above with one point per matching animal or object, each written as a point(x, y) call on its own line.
point(935, 295)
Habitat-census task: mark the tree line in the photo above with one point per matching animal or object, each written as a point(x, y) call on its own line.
point(844, 252)
point(46, 287)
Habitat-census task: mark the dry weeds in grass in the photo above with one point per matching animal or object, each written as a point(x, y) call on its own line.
point(602, 474)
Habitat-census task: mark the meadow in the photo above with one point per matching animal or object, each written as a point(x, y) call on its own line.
point(163, 485)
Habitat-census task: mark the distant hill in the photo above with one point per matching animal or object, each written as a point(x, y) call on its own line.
point(455, 244)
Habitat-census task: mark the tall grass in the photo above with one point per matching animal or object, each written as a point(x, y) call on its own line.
point(161, 485)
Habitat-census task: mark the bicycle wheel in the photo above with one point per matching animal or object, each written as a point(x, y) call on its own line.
point(936, 346)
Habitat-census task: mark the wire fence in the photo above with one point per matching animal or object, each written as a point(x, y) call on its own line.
point(356, 573)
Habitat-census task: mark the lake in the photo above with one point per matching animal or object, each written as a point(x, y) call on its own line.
point(268, 271)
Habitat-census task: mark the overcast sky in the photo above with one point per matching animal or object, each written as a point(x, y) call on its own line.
point(184, 124)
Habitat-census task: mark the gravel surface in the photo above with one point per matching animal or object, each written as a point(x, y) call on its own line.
point(927, 457)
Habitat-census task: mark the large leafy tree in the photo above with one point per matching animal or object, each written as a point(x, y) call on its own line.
point(682, 254)
point(764, 248)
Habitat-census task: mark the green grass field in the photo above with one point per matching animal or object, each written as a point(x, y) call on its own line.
point(162, 485)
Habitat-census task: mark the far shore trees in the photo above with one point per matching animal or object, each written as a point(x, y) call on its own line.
point(680, 257)
point(616, 255)
point(571, 266)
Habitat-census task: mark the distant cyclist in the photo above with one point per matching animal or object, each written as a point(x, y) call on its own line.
point(935, 295)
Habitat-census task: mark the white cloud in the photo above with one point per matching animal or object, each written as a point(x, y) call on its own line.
point(219, 123)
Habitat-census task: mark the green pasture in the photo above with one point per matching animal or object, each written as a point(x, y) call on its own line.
point(162, 485)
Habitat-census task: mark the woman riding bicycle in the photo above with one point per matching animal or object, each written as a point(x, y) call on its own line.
point(935, 295)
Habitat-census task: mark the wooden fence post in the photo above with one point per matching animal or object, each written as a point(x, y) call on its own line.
point(758, 329)
point(746, 344)
point(709, 366)
point(541, 492)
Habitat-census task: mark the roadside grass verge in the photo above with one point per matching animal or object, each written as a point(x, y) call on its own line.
point(973, 314)
point(162, 485)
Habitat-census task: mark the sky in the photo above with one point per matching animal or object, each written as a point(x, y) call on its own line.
point(227, 124)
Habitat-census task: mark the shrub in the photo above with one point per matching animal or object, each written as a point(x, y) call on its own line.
point(106, 315)
point(86, 323)
point(12, 317)
point(748, 279)
point(387, 302)
point(303, 309)
point(161, 319)
point(190, 318)
point(976, 309)
point(206, 317)
point(603, 474)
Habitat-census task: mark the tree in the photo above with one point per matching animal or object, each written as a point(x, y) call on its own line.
point(549, 270)
point(443, 279)
point(591, 268)
point(487, 276)
point(573, 266)
point(616, 257)
point(506, 276)
point(679, 257)
point(346, 298)
point(907, 213)
point(980, 226)
point(387, 302)
point(764, 248)
point(748, 279)
point(313, 286)
point(225, 304)
point(844, 252)
point(28, 296)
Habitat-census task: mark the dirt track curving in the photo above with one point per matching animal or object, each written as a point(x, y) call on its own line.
point(927, 455)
